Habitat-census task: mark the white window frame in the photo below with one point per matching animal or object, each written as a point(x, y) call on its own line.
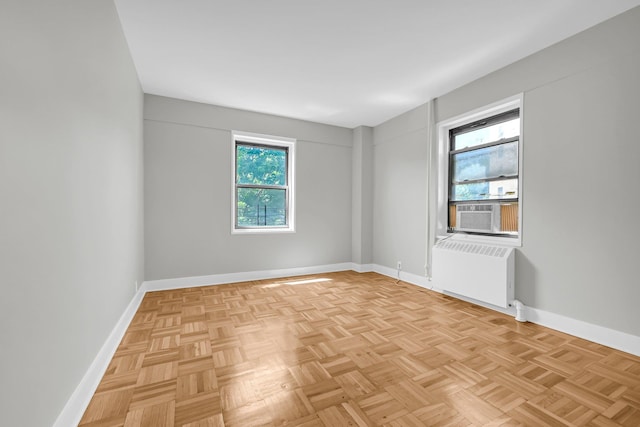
point(444, 145)
point(274, 141)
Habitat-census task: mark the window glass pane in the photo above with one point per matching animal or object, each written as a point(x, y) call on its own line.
point(486, 163)
point(261, 165)
point(261, 207)
point(502, 189)
point(487, 134)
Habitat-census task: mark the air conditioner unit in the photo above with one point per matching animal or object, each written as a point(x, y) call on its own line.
point(480, 217)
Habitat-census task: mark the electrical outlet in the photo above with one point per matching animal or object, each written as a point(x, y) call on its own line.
point(135, 284)
point(399, 265)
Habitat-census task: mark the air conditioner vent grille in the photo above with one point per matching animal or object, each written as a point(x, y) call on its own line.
point(473, 248)
point(476, 208)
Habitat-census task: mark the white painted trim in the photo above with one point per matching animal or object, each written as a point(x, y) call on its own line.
point(414, 279)
point(578, 328)
point(479, 113)
point(362, 268)
point(79, 400)
point(72, 412)
point(442, 183)
point(588, 331)
point(276, 141)
point(218, 279)
point(598, 334)
point(81, 396)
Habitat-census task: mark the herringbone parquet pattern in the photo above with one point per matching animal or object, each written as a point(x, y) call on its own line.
point(348, 349)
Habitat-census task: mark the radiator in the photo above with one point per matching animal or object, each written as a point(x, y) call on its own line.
point(482, 272)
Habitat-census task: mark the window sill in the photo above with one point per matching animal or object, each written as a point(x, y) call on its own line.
point(488, 240)
point(263, 231)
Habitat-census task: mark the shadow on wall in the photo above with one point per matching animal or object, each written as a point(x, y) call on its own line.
point(525, 280)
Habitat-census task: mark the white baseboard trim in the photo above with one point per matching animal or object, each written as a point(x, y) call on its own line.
point(72, 412)
point(404, 276)
point(599, 334)
point(79, 400)
point(218, 279)
point(362, 268)
point(81, 396)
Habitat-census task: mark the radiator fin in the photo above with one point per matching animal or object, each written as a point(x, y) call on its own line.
point(473, 248)
point(479, 271)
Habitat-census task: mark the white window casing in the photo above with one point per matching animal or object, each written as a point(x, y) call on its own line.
point(239, 137)
point(443, 178)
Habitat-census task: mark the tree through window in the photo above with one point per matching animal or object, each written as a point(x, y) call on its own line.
point(263, 184)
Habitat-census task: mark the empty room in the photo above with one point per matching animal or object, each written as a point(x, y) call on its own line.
point(319, 213)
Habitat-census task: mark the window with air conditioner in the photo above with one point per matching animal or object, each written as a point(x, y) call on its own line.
point(481, 180)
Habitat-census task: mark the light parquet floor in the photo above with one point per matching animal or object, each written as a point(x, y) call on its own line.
point(349, 349)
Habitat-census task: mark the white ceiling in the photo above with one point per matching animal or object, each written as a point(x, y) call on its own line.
point(341, 62)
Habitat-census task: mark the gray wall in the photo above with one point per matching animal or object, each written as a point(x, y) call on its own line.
point(581, 156)
point(362, 196)
point(71, 188)
point(400, 191)
point(188, 155)
point(71, 180)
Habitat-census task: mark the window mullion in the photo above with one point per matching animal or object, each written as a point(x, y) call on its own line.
point(263, 183)
point(479, 180)
point(488, 144)
point(266, 187)
point(493, 174)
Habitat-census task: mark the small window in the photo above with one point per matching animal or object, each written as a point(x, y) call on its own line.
point(483, 179)
point(263, 183)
